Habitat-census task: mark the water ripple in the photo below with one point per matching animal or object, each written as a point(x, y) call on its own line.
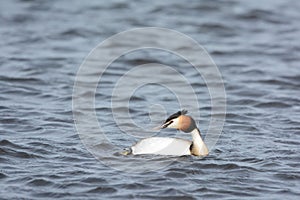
point(255, 47)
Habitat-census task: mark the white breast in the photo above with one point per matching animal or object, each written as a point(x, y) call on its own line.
point(162, 146)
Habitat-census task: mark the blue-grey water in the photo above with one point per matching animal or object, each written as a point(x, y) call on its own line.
point(256, 47)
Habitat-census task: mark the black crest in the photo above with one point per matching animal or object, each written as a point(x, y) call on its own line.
point(175, 115)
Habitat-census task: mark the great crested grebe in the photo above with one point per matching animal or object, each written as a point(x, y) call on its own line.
point(173, 146)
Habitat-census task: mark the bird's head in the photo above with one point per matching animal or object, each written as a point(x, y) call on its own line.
point(179, 121)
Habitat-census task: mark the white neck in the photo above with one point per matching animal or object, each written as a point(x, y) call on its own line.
point(199, 147)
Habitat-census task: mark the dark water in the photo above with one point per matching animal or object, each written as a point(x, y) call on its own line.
point(256, 47)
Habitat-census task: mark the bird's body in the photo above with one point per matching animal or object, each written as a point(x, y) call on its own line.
point(174, 146)
point(162, 146)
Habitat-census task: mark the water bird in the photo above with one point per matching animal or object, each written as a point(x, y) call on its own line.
point(173, 146)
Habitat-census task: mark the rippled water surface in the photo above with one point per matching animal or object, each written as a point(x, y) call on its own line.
point(256, 47)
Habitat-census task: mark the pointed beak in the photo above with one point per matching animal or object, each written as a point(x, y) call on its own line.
point(160, 127)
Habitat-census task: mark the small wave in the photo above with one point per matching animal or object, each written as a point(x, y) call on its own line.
point(23, 80)
point(259, 14)
point(288, 176)
point(94, 180)
point(103, 190)
point(19, 154)
point(272, 104)
point(175, 175)
point(40, 182)
point(11, 149)
point(3, 175)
